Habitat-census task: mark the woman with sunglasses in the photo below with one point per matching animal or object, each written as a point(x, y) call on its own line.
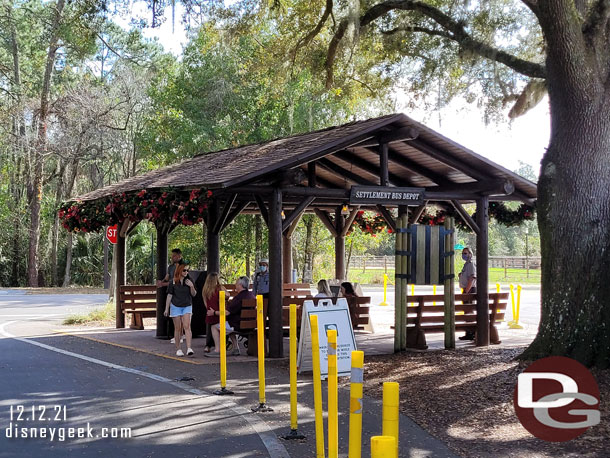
point(179, 307)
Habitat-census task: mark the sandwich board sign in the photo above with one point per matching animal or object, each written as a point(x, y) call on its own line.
point(330, 316)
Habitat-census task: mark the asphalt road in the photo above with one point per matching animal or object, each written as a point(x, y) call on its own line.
point(72, 384)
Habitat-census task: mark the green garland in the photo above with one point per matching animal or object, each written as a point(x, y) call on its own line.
point(497, 210)
point(169, 204)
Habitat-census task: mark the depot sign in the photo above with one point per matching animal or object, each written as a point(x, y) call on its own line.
point(112, 233)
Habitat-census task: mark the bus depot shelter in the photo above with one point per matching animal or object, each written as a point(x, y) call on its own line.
point(377, 164)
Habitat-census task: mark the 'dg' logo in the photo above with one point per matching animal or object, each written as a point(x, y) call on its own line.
point(557, 399)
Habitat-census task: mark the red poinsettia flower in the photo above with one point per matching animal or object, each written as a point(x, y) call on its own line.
point(144, 203)
point(142, 193)
point(208, 194)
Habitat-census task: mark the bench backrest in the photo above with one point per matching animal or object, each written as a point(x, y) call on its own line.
point(358, 307)
point(137, 296)
point(422, 311)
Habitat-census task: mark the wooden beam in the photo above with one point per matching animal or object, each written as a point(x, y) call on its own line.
point(466, 217)
point(370, 168)
point(294, 214)
point(224, 214)
point(311, 174)
point(349, 221)
point(212, 238)
point(121, 277)
point(235, 213)
point(274, 308)
point(447, 159)
point(262, 208)
point(339, 245)
point(132, 227)
point(408, 164)
point(293, 226)
point(335, 168)
point(124, 228)
point(325, 218)
point(384, 177)
point(482, 272)
point(484, 188)
point(387, 216)
point(416, 214)
point(398, 135)
point(162, 248)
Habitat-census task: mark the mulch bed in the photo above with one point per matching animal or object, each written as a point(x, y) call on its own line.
point(465, 398)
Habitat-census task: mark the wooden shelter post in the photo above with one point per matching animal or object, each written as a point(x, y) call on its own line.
point(339, 245)
point(162, 248)
point(213, 238)
point(274, 308)
point(121, 277)
point(287, 249)
point(482, 218)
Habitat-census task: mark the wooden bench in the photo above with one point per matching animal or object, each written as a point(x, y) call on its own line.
point(358, 307)
point(139, 301)
point(425, 317)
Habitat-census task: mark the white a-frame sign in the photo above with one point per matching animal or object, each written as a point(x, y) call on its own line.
point(330, 316)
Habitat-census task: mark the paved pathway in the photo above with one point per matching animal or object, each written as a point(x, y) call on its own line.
point(166, 402)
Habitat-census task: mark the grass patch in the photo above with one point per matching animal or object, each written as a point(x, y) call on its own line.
point(102, 315)
point(496, 275)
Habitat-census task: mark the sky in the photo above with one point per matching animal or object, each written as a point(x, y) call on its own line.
point(523, 139)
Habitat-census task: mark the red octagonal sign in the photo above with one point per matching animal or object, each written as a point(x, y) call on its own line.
point(112, 233)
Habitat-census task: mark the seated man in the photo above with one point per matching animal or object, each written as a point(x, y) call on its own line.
point(233, 312)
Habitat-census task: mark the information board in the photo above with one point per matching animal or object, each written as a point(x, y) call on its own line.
point(330, 316)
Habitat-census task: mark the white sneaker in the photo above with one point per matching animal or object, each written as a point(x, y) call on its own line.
point(190, 352)
point(173, 341)
point(179, 352)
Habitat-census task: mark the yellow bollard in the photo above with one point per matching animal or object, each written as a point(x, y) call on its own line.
point(317, 386)
point(498, 288)
point(294, 434)
point(333, 404)
point(223, 347)
point(515, 323)
point(383, 446)
point(412, 290)
point(385, 290)
point(390, 413)
point(355, 405)
point(260, 337)
point(434, 292)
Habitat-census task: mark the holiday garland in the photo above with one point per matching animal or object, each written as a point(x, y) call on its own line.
point(497, 210)
point(169, 204)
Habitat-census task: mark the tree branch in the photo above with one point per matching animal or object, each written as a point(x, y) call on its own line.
point(311, 35)
point(532, 5)
point(455, 30)
point(413, 28)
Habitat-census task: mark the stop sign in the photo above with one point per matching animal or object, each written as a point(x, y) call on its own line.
point(112, 233)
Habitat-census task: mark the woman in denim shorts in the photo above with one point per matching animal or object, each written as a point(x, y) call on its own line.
point(179, 307)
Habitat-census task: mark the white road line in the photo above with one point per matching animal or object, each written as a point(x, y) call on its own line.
point(268, 438)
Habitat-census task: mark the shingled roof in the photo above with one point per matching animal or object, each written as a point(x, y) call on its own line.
point(429, 160)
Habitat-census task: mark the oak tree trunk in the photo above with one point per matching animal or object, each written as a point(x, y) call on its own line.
point(574, 193)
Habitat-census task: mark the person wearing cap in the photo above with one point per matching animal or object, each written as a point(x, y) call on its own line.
point(261, 278)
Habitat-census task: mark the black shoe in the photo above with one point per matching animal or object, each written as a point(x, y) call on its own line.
point(467, 336)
